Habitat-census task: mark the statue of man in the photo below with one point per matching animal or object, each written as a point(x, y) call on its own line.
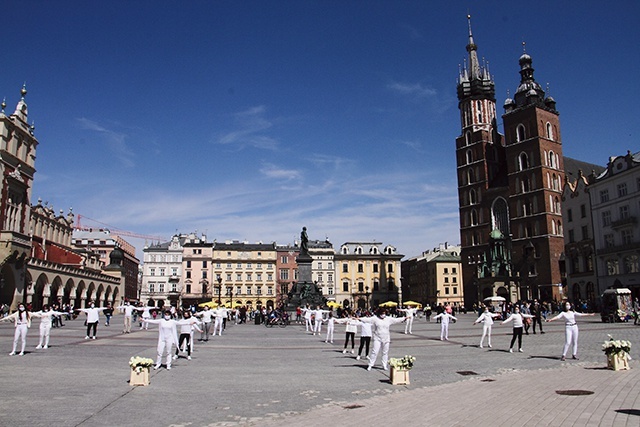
point(304, 242)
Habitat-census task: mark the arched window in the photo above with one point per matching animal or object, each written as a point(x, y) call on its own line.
point(557, 205)
point(523, 161)
point(467, 137)
point(559, 228)
point(471, 176)
point(500, 216)
point(479, 107)
point(552, 160)
point(469, 156)
point(553, 227)
point(473, 198)
point(474, 217)
point(520, 133)
point(549, 131)
point(526, 185)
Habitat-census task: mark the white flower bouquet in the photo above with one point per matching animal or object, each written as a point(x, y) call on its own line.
point(138, 363)
point(404, 363)
point(616, 347)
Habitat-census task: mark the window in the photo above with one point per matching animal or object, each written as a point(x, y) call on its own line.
point(270, 276)
point(160, 287)
point(474, 217)
point(162, 271)
point(152, 287)
point(360, 287)
point(248, 290)
point(376, 285)
point(631, 264)
point(523, 161)
point(204, 274)
point(320, 266)
point(228, 265)
point(455, 290)
point(604, 196)
point(259, 277)
point(473, 199)
point(239, 266)
point(189, 264)
point(249, 266)
point(204, 288)
point(585, 232)
point(549, 131)
point(204, 264)
point(612, 267)
point(469, 156)
point(239, 277)
point(345, 286)
point(608, 241)
point(284, 259)
point(389, 268)
point(284, 274)
point(330, 277)
point(606, 218)
point(269, 290)
point(152, 272)
point(583, 211)
point(571, 236)
point(446, 270)
point(188, 286)
point(188, 275)
point(345, 267)
point(360, 268)
point(454, 280)
point(259, 290)
point(627, 236)
point(174, 271)
point(453, 270)
point(446, 291)
point(375, 267)
point(249, 277)
point(520, 134)
point(259, 266)
point(622, 189)
point(446, 280)
point(569, 215)
point(624, 212)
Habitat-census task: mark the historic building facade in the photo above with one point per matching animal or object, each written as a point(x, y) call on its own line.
point(368, 274)
point(162, 273)
point(38, 264)
point(509, 187)
point(433, 277)
point(615, 205)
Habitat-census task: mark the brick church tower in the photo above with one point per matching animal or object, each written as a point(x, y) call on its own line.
point(509, 187)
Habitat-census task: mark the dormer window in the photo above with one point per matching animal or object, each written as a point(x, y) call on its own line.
point(344, 250)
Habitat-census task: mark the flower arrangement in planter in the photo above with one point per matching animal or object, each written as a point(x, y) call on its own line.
point(139, 363)
point(617, 352)
point(405, 363)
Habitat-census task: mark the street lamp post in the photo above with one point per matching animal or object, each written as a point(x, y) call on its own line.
point(367, 305)
point(219, 288)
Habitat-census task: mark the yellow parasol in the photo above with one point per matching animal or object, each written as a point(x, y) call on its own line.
point(412, 303)
point(210, 304)
point(389, 304)
point(333, 304)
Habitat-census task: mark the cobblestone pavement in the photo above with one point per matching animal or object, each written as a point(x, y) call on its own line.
point(257, 376)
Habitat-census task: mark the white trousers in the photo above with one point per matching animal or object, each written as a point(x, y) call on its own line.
point(486, 332)
point(217, 326)
point(408, 324)
point(377, 345)
point(20, 334)
point(127, 324)
point(145, 325)
point(308, 324)
point(444, 331)
point(317, 327)
point(44, 334)
point(330, 329)
point(570, 334)
point(162, 345)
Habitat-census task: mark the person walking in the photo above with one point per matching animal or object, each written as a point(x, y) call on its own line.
point(381, 336)
point(93, 318)
point(46, 320)
point(444, 318)
point(518, 323)
point(22, 321)
point(526, 309)
point(108, 313)
point(570, 329)
point(486, 318)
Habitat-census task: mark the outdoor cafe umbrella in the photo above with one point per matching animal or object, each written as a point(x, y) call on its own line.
point(411, 303)
point(333, 304)
point(210, 304)
point(389, 304)
point(494, 300)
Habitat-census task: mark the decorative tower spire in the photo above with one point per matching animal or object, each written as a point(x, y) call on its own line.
point(474, 64)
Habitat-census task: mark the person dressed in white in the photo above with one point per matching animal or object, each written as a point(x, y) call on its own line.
point(444, 324)
point(381, 336)
point(93, 318)
point(318, 315)
point(410, 313)
point(207, 316)
point(486, 318)
point(146, 315)
point(45, 324)
point(187, 325)
point(307, 318)
point(350, 331)
point(127, 309)
point(330, 328)
point(167, 336)
point(220, 315)
point(22, 322)
point(518, 324)
point(570, 329)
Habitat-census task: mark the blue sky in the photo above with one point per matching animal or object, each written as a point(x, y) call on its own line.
point(250, 119)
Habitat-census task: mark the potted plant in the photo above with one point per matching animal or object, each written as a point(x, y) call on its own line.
point(617, 352)
point(400, 368)
point(140, 370)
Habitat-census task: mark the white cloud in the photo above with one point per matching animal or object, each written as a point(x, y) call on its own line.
point(272, 171)
point(414, 89)
point(115, 141)
point(251, 126)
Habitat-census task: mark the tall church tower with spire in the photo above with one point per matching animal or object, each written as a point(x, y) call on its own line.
point(510, 224)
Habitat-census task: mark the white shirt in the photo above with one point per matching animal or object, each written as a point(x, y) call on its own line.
point(487, 318)
point(445, 317)
point(569, 317)
point(518, 319)
point(128, 309)
point(381, 331)
point(93, 313)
